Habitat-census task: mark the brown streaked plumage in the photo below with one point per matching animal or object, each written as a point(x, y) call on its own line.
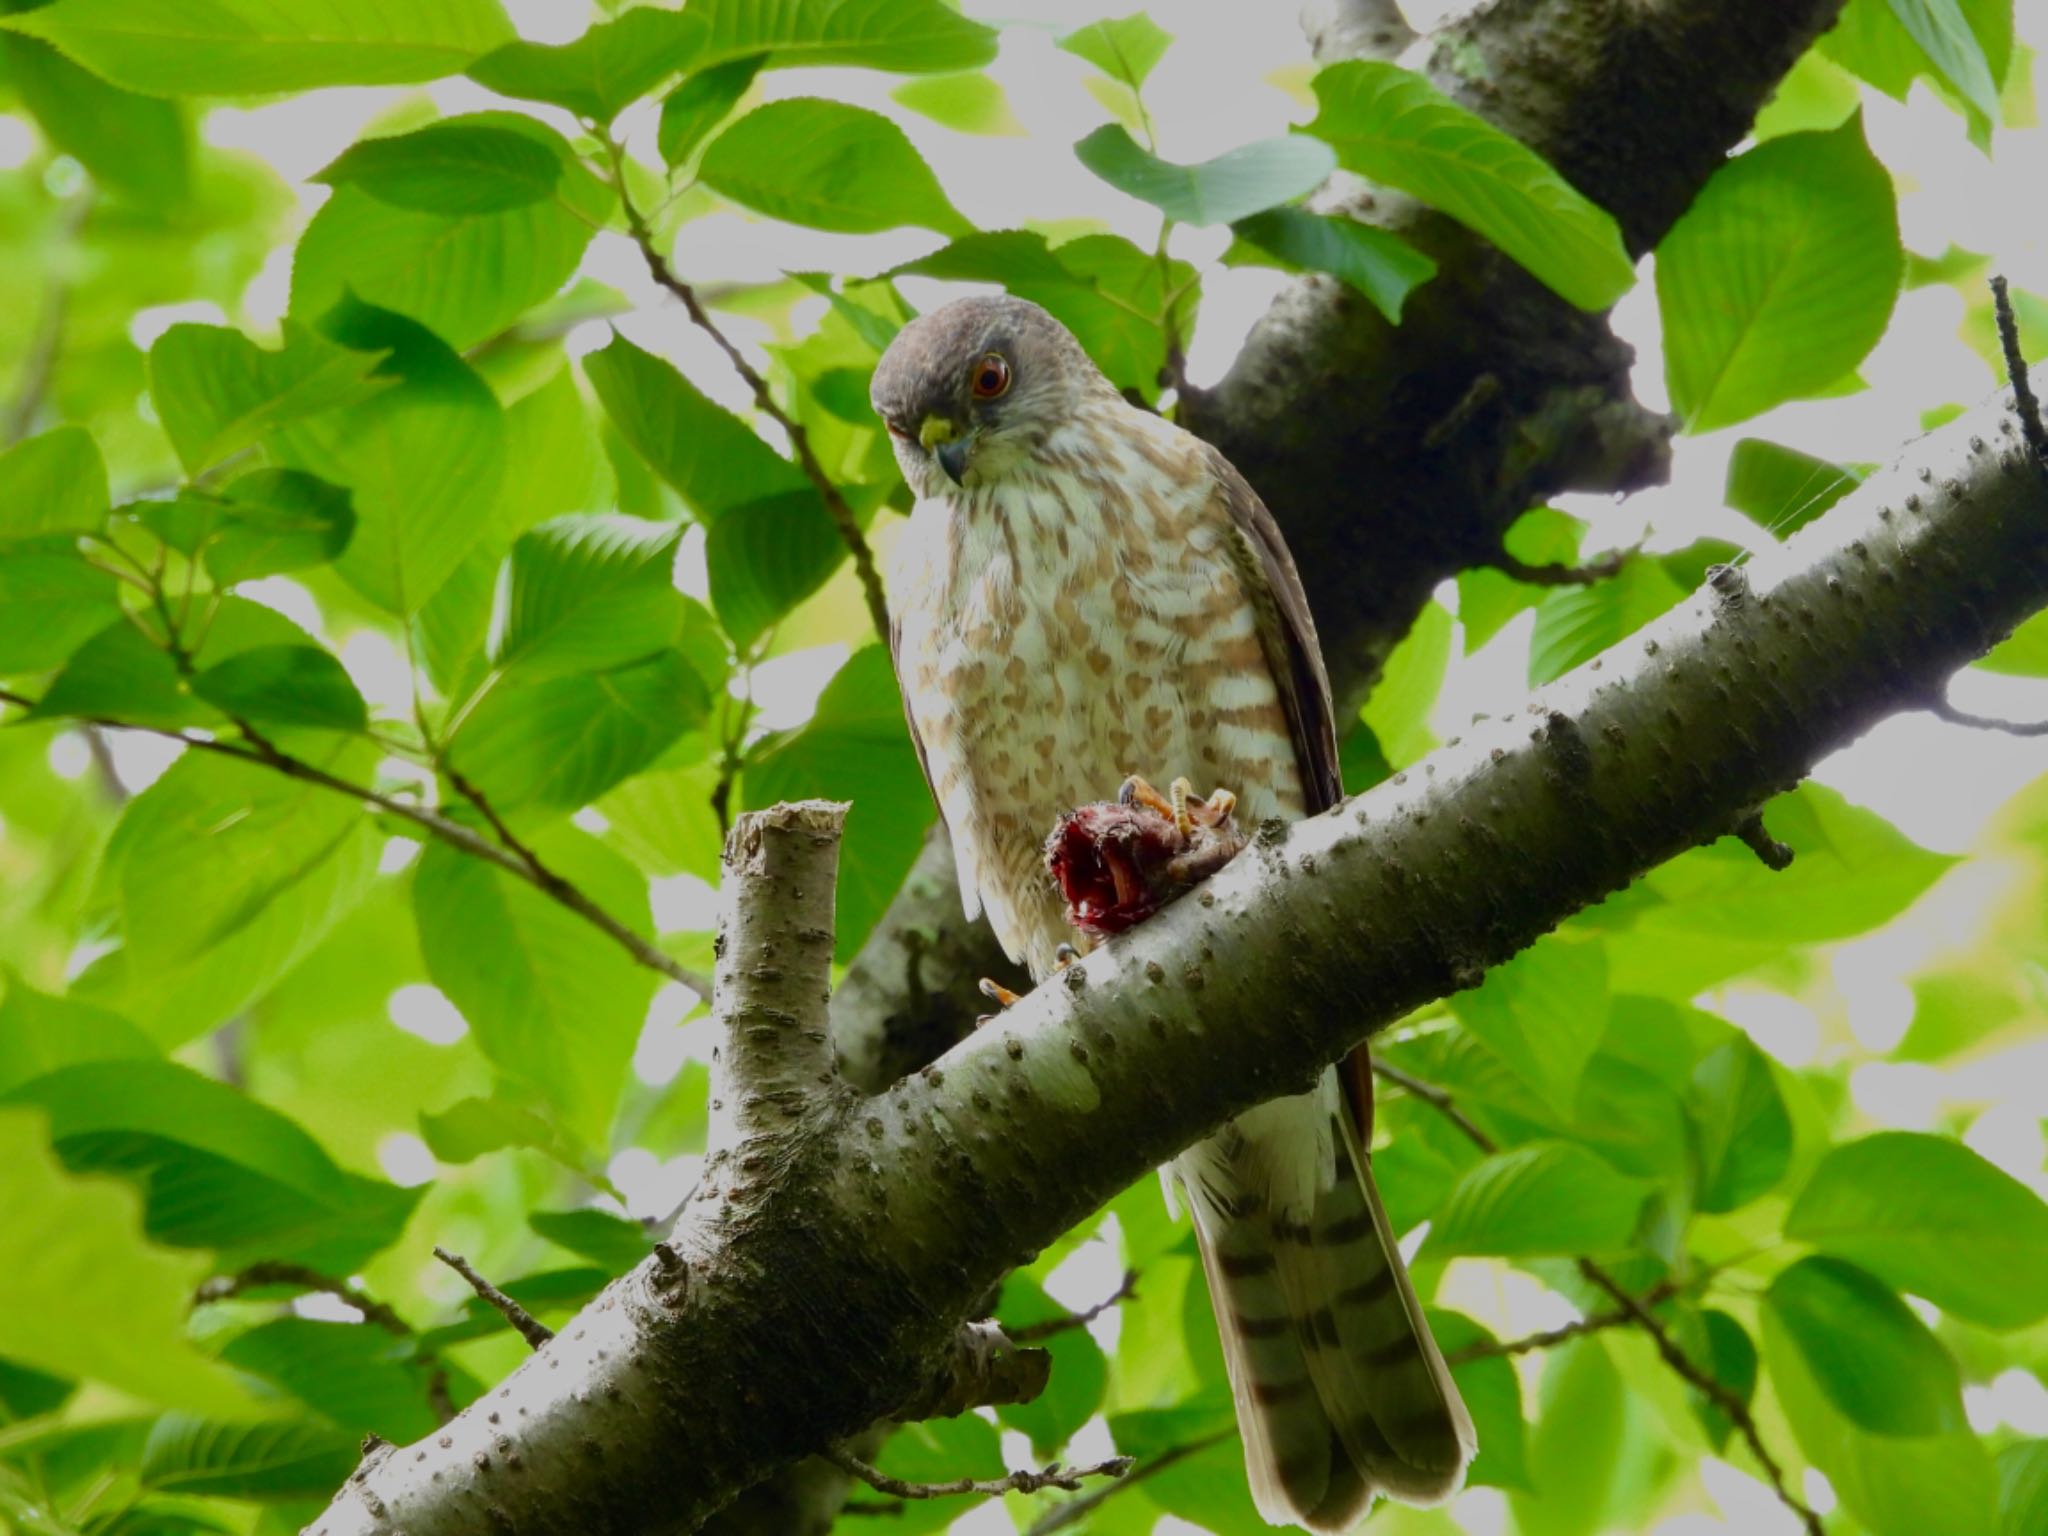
point(1085, 592)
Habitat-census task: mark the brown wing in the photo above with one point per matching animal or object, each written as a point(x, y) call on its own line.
point(1286, 632)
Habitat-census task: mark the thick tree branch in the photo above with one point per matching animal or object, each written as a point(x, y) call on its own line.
point(847, 1262)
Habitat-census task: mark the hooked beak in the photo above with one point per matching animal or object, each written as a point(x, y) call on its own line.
point(943, 441)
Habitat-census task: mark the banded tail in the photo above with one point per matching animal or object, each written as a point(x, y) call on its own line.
point(1341, 1392)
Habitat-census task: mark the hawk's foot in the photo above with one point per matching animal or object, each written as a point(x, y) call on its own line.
point(1064, 956)
point(999, 994)
point(1180, 804)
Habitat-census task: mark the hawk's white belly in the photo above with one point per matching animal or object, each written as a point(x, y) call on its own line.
point(1061, 630)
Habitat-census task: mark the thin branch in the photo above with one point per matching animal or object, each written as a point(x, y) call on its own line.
point(1077, 1510)
point(1607, 565)
point(1550, 1338)
point(380, 1314)
point(2016, 370)
point(530, 1328)
point(1031, 1333)
point(799, 439)
point(1053, 1476)
point(1941, 709)
point(454, 833)
point(1636, 1310)
point(46, 347)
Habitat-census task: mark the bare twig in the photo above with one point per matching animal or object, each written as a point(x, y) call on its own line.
point(1750, 832)
point(1031, 1333)
point(2016, 370)
point(799, 440)
point(454, 833)
point(46, 347)
point(1941, 709)
point(301, 1277)
point(1637, 1311)
point(530, 1328)
point(1053, 1476)
point(1599, 569)
point(1076, 1510)
point(1550, 1338)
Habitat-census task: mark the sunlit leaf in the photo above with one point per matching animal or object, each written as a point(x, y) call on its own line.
point(55, 483)
point(607, 68)
point(1744, 1134)
point(1780, 276)
point(449, 168)
point(829, 165)
point(77, 1258)
point(703, 101)
point(1127, 48)
point(584, 594)
point(1547, 1197)
point(284, 685)
point(354, 1375)
point(1576, 623)
point(1393, 126)
point(902, 36)
point(970, 102)
point(1233, 186)
point(1934, 1219)
point(40, 1033)
point(50, 604)
point(1543, 1014)
point(217, 392)
point(137, 146)
point(248, 1459)
point(1782, 489)
point(241, 47)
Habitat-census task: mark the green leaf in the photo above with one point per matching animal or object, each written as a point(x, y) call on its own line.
point(1488, 599)
point(855, 748)
point(1080, 1374)
point(50, 604)
point(217, 392)
point(466, 276)
point(1781, 489)
point(1543, 1014)
point(909, 37)
point(697, 106)
point(1588, 1420)
point(1493, 1396)
point(1964, 46)
point(584, 594)
point(1399, 709)
point(76, 1259)
point(765, 558)
point(1779, 278)
point(205, 848)
point(246, 47)
point(1725, 1350)
point(830, 166)
point(1548, 1197)
point(2023, 1488)
point(136, 146)
point(40, 1033)
point(1893, 1485)
point(285, 685)
point(1233, 186)
point(354, 1375)
point(969, 102)
point(602, 72)
point(714, 460)
point(422, 460)
point(263, 1459)
point(1126, 49)
point(55, 483)
point(1943, 32)
point(1744, 1132)
point(1933, 1218)
point(217, 1169)
point(553, 1003)
point(449, 168)
point(561, 742)
point(1878, 1363)
point(1716, 911)
point(274, 520)
point(608, 1241)
point(1383, 267)
point(1393, 126)
point(1576, 623)
point(476, 1127)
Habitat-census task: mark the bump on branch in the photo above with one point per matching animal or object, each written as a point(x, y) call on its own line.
point(983, 1368)
point(1749, 830)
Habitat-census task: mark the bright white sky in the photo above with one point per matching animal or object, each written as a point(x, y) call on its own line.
point(1214, 90)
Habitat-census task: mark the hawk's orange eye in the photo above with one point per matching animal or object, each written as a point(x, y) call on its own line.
point(991, 376)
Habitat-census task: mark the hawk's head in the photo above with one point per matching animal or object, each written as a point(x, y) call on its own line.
point(971, 390)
